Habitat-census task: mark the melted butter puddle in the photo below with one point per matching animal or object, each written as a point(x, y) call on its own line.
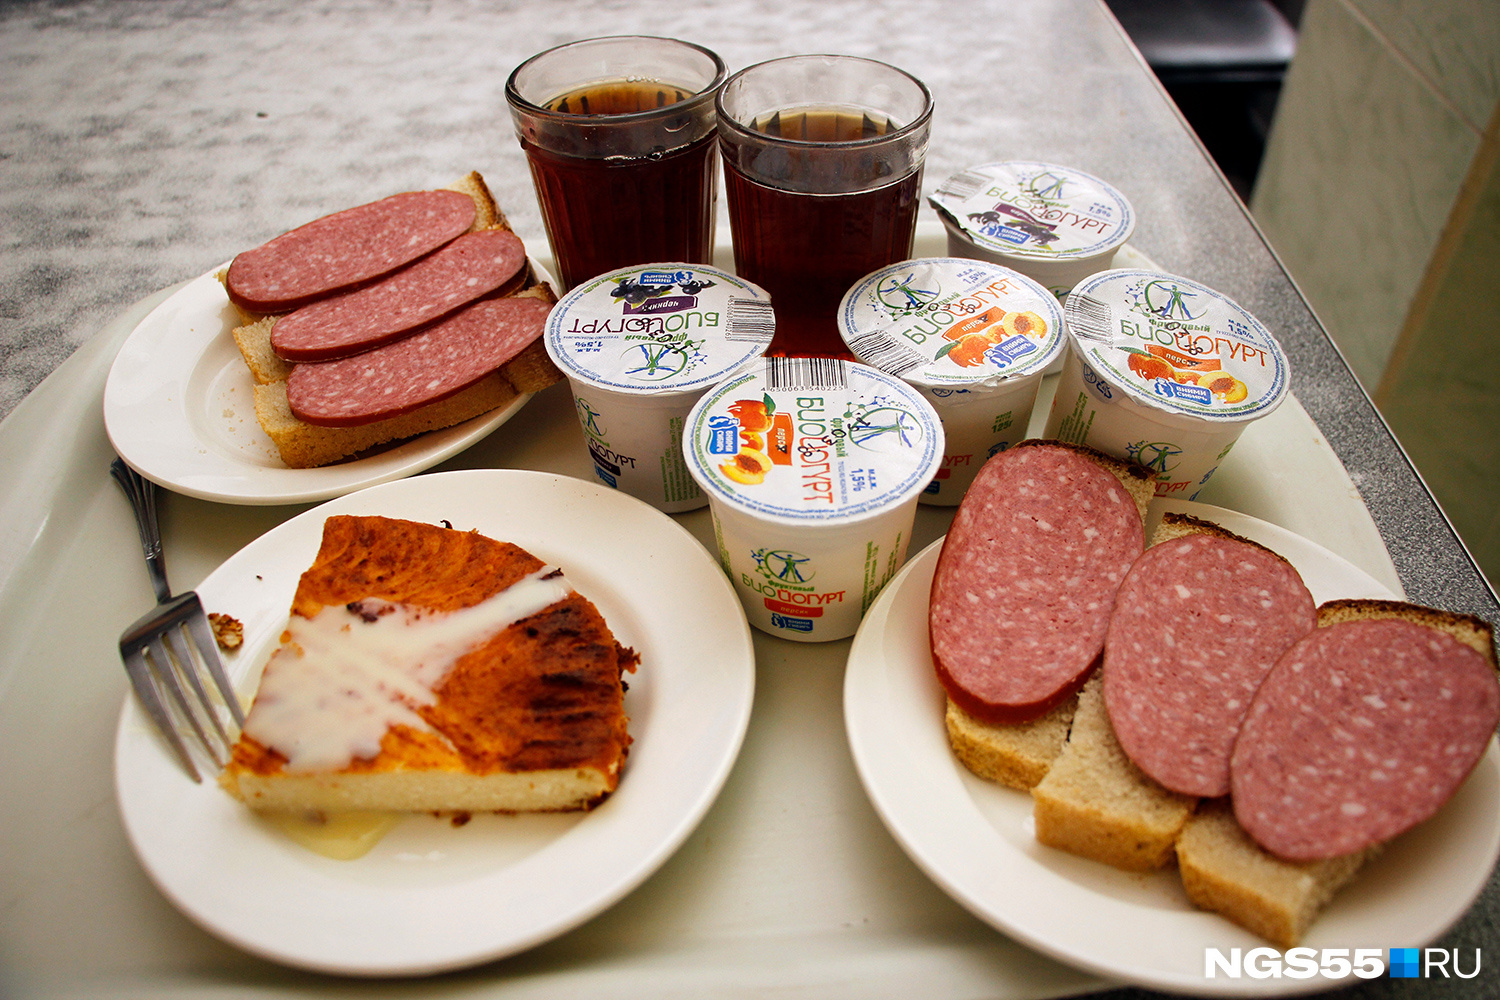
point(343, 836)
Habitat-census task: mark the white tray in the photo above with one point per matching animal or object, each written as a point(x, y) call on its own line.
point(789, 886)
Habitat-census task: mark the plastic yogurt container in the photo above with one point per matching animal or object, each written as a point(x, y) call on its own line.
point(812, 468)
point(639, 346)
point(1054, 224)
point(1163, 371)
point(974, 338)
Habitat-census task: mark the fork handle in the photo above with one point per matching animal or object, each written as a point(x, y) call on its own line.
point(142, 495)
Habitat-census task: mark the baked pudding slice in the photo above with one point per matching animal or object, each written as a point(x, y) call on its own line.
point(426, 669)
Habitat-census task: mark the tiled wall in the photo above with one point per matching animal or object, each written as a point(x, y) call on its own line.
point(1379, 191)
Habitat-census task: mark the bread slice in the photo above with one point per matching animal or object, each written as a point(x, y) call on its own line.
point(524, 713)
point(1018, 754)
point(1094, 802)
point(1224, 871)
point(302, 445)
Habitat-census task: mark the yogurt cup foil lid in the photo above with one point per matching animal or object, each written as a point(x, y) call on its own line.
point(1176, 345)
point(1035, 211)
point(952, 323)
point(659, 328)
point(813, 440)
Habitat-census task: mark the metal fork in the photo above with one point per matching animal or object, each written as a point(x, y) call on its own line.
point(158, 650)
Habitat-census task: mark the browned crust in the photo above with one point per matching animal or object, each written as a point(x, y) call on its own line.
point(545, 693)
point(1174, 525)
point(1471, 630)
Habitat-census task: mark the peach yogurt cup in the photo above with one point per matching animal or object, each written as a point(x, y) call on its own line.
point(812, 467)
point(1163, 371)
point(974, 338)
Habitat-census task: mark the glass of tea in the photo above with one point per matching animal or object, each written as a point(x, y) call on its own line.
point(823, 170)
point(619, 134)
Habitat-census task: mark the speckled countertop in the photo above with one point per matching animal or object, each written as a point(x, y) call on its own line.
point(144, 142)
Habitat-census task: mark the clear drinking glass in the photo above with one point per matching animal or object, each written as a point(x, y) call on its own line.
point(619, 135)
point(823, 170)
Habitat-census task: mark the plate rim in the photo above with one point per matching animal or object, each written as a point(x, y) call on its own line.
point(859, 716)
point(252, 485)
point(137, 749)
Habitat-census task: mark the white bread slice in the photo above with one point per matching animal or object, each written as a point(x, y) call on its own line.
point(1096, 803)
point(1225, 871)
point(1018, 754)
point(302, 445)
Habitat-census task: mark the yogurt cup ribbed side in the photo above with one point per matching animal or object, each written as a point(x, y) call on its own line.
point(1164, 371)
point(1053, 223)
point(639, 346)
point(975, 338)
point(812, 468)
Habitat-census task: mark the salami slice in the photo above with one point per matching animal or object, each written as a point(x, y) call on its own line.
point(427, 366)
point(469, 267)
point(1362, 730)
point(346, 248)
point(1198, 623)
point(1026, 580)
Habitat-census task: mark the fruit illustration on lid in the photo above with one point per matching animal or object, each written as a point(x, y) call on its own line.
point(1225, 387)
point(751, 413)
point(747, 468)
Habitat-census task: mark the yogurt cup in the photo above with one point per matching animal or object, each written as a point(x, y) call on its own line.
point(974, 338)
point(1163, 371)
point(639, 346)
point(812, 468)
point(1054, 224)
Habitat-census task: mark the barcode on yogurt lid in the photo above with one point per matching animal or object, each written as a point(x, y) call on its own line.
point(750, 320)
point(963, 185)
point(879, 349)
point(806, 374)
point(1090, 318)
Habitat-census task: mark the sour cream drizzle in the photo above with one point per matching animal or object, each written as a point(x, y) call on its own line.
point(346, 675)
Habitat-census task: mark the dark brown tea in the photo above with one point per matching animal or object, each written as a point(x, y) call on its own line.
point(805, 249)
point(620, 97)
point(611, 212)
point(823, 125)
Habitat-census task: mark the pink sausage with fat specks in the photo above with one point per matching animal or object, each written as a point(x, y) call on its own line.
point(1198, 623)
point(346, 323)
point(1361, 731)
point(345, 249)
point(1026, 580)
point(427, 366)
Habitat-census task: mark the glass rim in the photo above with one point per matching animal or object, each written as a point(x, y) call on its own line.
point(710, 90)
point(729, 122)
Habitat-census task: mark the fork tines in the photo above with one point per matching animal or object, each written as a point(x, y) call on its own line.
point(165, 654)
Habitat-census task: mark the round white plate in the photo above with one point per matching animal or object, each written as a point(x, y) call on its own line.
point(975, 839)
point(179, 408)
point(432, 896)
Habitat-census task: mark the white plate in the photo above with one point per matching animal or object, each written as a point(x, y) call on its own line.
point(179, 408)
point(431, 896)
point(975, 839)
